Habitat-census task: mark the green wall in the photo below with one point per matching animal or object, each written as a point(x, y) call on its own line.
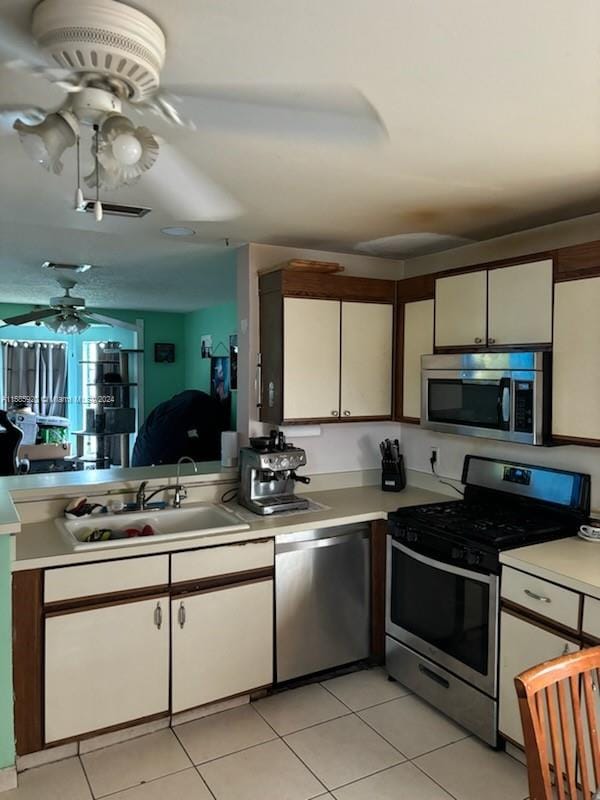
point(220, 322)
point(7, 746)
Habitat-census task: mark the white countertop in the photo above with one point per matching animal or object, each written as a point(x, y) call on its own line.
point(572, 562)
point(40, 544)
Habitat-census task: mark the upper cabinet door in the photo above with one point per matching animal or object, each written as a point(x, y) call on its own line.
point(461, 310)
point(418, 341)
point(311, 358)
point(520, 304)
point(367, 359)
point(576, 366)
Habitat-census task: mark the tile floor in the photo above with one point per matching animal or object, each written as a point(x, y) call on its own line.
point(356, 737)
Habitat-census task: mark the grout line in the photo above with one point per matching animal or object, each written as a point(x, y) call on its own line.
point(142, 783)
point(204, 781)
point(441, 747)
point(235, 752)
point(381, 736)
point(315, 776)
point(306, 727)
point(431, 778)
point(85, 773)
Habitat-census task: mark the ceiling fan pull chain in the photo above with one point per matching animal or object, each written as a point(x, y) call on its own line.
point(78, 192)
point(97, 204)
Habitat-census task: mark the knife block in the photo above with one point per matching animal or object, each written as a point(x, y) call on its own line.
point(393, 476)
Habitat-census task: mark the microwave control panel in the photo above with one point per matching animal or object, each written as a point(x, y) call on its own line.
point(524, 406)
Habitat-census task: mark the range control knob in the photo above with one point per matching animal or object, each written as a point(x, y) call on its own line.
point(473, 557)
point(457, 553)
point(412, 535)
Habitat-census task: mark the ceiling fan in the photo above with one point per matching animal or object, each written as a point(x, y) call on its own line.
point(107, 57)
point(64, 314)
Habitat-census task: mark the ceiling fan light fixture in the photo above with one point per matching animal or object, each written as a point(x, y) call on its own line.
point(124, 153)
point(45, 143)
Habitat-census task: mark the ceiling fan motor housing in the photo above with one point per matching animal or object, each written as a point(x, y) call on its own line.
point(105, 38)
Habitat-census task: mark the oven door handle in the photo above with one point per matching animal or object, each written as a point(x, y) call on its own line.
point(431, 562)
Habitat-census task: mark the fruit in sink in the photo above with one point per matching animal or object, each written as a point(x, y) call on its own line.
point(148, 530)
point(130, 533)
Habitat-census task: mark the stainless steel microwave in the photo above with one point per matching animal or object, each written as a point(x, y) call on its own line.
point(494, 395)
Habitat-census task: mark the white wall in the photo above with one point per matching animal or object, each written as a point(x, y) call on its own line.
point(417, 442)
point(547, 237)
point(337, 448)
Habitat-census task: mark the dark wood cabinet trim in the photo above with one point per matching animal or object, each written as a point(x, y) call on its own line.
point(557, 439)
point(577, 261)
point(215, 582)
point(95, 602)
point(130, 723)
point(549, 625)
point(337, 287)
point(420, 287)
point(260, 691)
point(399, 361)
point(378, 558)
point(28, 655)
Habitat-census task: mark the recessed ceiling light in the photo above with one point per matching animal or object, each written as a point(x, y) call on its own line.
point(178, 231)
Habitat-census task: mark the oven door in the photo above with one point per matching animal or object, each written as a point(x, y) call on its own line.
point(444, 612)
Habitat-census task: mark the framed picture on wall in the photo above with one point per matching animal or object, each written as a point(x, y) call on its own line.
point(164, 353)
point(220, 377)
point(206, 346)
point(233, 359)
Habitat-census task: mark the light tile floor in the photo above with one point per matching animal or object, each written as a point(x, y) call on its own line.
point(357, 737)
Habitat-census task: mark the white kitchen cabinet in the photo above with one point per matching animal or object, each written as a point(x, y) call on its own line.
point(576, 366)
point(417, 341)
point(520, 304)
point(105, 666)
point(522, 645)
point(505, 306)
point(461, 310)
point(222, 643)
point(366, 364)
point(311, 358)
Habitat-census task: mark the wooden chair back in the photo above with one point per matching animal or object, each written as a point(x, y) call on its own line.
point(559, 702)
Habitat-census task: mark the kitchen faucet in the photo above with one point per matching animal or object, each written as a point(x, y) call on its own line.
point(142, 499)
point(180, 491)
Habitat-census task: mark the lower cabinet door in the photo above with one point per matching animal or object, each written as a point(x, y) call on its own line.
point(105, 666)
point(222, 643)
point(522, 645)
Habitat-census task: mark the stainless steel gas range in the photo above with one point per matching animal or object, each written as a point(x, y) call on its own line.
point(443, 580)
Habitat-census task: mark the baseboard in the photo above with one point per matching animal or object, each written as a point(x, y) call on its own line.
point(8, 779)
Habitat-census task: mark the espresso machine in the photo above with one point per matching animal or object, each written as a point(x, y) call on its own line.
point(268, 475)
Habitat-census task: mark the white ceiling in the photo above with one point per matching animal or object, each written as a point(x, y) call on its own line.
point(493, 112)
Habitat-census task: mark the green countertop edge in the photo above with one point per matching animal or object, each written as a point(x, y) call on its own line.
point(7, 743)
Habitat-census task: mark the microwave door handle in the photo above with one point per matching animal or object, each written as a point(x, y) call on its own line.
point(504, 403)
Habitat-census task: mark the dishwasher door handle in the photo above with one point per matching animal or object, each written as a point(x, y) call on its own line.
point(312, 544)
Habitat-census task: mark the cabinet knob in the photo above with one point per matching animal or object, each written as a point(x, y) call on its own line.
point(478, 340)
point(491, 341)
point(335, 413)
point(347, 414)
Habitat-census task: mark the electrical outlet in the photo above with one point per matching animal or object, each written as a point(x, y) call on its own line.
point(434, 458)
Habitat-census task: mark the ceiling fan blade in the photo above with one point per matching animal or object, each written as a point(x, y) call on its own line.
point(30, 115)
point(31, 316)
point(104, 319)
point(186, 193)
point(18, 48)
point(336, 113)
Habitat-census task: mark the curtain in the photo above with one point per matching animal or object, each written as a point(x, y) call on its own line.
point(37, 373)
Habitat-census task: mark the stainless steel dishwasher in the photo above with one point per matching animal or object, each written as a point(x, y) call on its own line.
point(322, 599)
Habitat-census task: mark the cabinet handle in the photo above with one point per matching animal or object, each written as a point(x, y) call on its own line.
point(181, 615)
point(347, 414)
point(491, 341)
point(478, 340)
point(335, 413)
point(158, 616)
point(535, 596)
point(258, 380)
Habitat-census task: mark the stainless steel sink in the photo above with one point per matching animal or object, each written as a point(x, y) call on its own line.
point(202, 519)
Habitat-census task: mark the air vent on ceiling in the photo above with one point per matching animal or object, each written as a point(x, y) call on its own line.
point(115, 209)
point(66, 267)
